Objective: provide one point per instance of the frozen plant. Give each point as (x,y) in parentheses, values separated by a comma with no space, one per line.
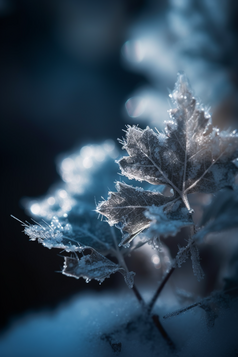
(189,156)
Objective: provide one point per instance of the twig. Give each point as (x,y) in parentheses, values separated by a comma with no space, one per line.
(198,303)
(138,296)
(155,318)
(181,257)
(157,323)
(123,263)
(160,288)
(178,312)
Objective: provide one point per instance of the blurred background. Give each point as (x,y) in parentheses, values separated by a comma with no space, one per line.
(76,72)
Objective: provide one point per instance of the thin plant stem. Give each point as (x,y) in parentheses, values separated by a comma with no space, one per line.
(160,288)
(164,334)
(123,263)
(138,296)
(155,318)
(199,303)
(169,273)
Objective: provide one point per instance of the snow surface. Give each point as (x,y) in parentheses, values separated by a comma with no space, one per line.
(76,328)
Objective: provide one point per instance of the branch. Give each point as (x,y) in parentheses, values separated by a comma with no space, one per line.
(160,288)
(198,303)
(123,263)
(181,257)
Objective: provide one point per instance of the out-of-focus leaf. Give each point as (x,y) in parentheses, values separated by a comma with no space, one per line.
(221,214)
(53,235)
(80,185)
(94,266)
(191,250)
(89,230)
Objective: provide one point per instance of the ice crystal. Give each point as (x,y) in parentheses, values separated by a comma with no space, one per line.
(190,35)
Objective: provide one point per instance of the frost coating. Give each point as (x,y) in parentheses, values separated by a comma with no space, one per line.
(190,156)
(168,221)
(54,235)
(128,205)
(183,254)
(94,266)
(194,156)
(197,270)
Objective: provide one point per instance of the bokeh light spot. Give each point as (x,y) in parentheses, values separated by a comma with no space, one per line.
(35,208)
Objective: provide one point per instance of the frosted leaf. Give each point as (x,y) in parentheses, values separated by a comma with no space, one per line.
(183,254)
(190,156)
(221,214)
(91,231)
(94,266)
(79,229)
(168,221)
(181,257)
(211,305)
(197,270)
(54,235)
(128,205)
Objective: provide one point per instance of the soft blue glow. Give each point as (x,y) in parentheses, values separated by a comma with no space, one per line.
(79,172)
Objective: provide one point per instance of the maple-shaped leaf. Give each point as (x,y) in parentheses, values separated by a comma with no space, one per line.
(189,156)
(128,207)
(94,266)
